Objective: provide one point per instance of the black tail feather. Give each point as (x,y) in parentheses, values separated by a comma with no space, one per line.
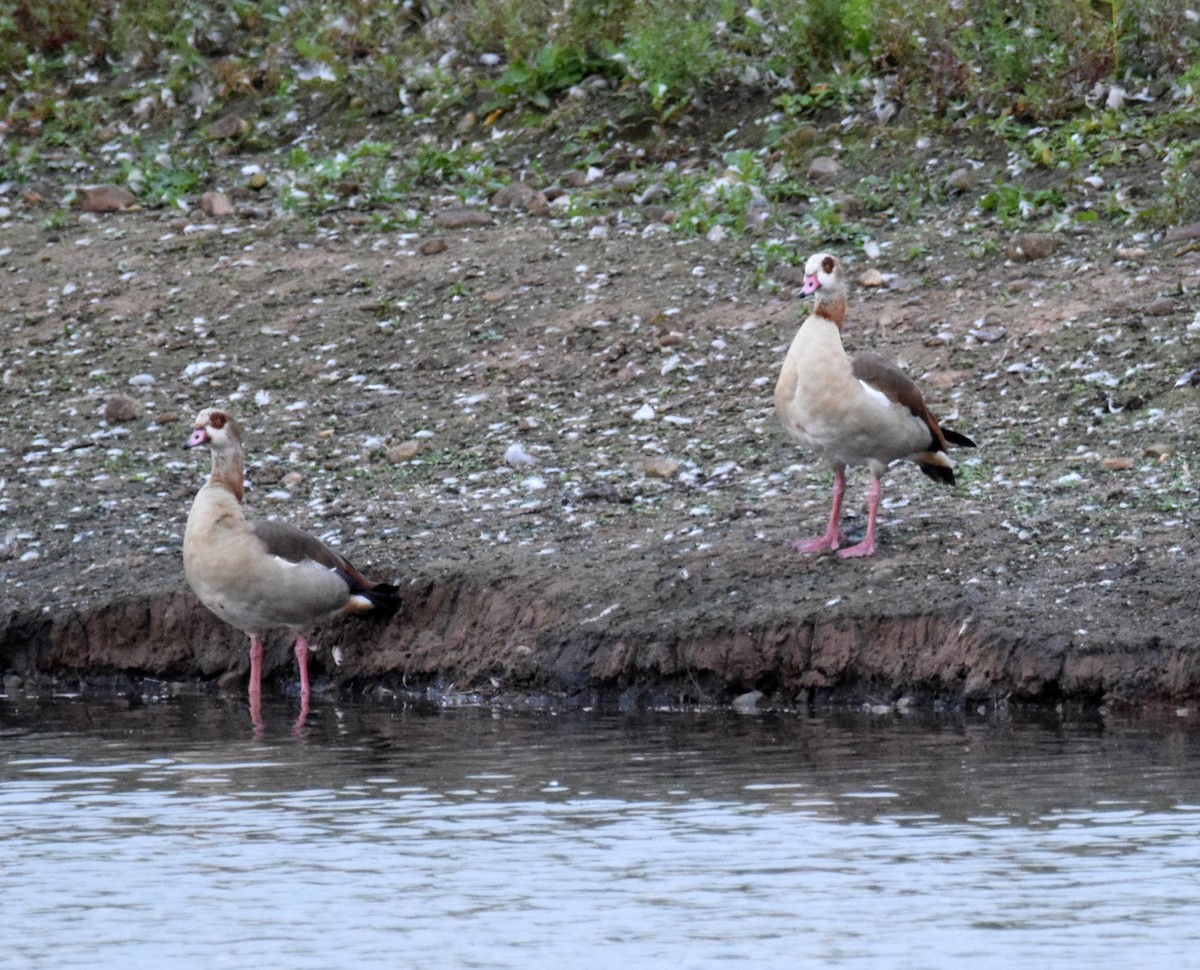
(384,597)
(954,438)
(939,473)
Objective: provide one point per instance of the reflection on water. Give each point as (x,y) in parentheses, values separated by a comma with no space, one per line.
(168,835)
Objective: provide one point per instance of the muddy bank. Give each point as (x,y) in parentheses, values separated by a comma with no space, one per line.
(559,438)
(478,641)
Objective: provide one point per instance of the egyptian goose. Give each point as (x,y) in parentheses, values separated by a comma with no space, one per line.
(260,575)
(864,411)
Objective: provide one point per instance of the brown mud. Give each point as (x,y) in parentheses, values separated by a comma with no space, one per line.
(557,436)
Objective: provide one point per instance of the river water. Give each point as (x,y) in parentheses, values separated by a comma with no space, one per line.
(172,835)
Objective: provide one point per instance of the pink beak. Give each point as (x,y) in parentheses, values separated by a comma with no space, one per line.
(198,437)
(811,285)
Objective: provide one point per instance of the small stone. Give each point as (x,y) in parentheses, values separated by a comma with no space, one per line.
(518,195)
(120,408)
(291,479)
(141,380)
(660,467)
(1162,306)
(799,140)
(645,413)
(463,219)
(1116,464)
(960,180)
(257,181)
(406,451)
(1132,253)
(657,213)
(1158,451)
(988,335)
(104,198)
(433,247)
(1032,245)
(228,126)
(216,205)
(824,169)
(871,277)
(1182,233)
(515,456)
(652,193)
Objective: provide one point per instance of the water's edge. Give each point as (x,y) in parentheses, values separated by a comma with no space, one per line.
(485,639)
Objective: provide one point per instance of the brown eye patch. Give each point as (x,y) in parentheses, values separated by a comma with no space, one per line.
(217,420)
(827,264)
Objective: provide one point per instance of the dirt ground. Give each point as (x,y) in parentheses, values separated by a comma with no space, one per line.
(558,437)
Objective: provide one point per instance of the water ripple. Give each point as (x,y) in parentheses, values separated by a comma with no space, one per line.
(462,839)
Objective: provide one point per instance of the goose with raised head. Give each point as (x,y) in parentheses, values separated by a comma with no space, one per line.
(262,575)
(853,411)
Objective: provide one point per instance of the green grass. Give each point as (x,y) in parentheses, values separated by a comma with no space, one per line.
(360,105)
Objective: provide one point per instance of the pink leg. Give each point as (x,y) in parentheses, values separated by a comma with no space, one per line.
(833,534)
(302,660)
(256,654)
(298,727)
(867,546)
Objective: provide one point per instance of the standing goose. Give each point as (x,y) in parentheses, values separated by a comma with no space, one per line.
(864,411)
(260,575)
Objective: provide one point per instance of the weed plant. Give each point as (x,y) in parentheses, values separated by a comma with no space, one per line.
(133,88)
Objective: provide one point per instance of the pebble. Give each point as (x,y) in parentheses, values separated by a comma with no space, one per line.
(515,456)
(1131,252)
(653,193)
(799,140)
(1162,306)
(645,413)
(141,380)
(960,180)
(463,219)
(104,198)
(871,277)
(824,169)
(988,335)
(1117,464)
(1181,233)
(405,451)
(1160,452)
(660,467)
(216,205)
(228,126)
(121,408)
(433,247)
(523,197)
(1032,245)
(257,181)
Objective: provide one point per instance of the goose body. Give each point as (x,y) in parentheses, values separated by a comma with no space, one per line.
(259,576)
(860,411)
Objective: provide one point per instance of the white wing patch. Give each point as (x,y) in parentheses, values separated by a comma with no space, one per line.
(876,395)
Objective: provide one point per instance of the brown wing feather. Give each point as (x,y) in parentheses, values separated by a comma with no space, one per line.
(897,386)
(295,545)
